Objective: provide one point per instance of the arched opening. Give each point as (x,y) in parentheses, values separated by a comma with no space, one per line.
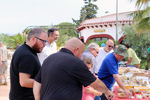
(99,37)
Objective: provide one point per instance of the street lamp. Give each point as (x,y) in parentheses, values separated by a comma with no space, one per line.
(116,21)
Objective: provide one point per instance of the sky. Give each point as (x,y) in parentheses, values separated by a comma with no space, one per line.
(16,15)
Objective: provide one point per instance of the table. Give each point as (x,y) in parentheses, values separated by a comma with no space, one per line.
(117,98)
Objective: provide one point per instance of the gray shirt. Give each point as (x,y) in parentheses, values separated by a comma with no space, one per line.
(88,54)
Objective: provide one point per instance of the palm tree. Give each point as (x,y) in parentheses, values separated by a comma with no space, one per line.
(66,31)
(142,17)
(18,38)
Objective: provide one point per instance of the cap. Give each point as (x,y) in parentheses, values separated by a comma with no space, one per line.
(103,44)
(121,50)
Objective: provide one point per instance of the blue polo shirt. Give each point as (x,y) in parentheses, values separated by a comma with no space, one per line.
(109,67)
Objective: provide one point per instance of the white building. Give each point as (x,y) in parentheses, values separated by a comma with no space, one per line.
(103,28)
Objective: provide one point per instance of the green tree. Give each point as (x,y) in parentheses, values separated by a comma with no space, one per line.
(142,17)
(87,12)
(139,42)
(66,31)
(11,41)
(5,39)
(28,29)
(18,38)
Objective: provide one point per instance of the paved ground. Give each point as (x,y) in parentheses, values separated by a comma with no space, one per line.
(4,90)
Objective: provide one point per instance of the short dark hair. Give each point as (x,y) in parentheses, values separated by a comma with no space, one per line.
(35,32)
(52,30)
(127,45)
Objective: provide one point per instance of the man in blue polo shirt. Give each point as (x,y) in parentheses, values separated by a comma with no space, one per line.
(108,71)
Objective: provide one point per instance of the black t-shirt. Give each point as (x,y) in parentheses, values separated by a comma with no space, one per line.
(24,60)
(62,76)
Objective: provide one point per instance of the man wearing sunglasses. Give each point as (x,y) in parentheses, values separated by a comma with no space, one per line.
(25,65)
(103,51)
(51,46)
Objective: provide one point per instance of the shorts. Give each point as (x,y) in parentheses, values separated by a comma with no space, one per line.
(3,69)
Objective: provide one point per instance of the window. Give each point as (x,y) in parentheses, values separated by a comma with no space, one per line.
(99,39)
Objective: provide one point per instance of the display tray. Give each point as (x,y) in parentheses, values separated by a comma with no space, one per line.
(137,87)
(126,98)
(138,74)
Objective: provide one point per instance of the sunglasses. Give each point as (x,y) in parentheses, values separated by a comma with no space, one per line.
(96,51)
(110,46)
(44,41)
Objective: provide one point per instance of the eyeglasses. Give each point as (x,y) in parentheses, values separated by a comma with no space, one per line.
(44,41)
(110,46)
(96,51)
(57,35)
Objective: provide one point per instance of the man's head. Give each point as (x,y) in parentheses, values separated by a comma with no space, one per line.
(109,45)
(120,52)
(53,34)
(36,39)
(75,46)
(127,45)
(93,48)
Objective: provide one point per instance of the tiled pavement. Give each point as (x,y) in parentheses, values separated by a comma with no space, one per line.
(4,91)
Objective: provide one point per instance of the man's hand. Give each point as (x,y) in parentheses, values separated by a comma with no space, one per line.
(128,93)
(148,75)
(109,95)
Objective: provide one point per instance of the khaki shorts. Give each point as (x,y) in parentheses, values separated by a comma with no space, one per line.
(3,69)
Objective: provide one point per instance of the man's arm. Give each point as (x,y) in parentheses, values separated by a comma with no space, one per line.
(100,86)
(1,63)
(37,90)
(25,80)
(129,60)
(119,82)
(93,91)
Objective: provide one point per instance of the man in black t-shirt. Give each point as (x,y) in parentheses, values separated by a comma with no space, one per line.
(25,65)
(63,74)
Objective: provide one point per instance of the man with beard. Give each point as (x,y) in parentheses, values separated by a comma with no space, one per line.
(51,46)
(25,65)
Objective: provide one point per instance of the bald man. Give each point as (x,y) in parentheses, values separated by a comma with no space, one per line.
(109,45)
(63,74)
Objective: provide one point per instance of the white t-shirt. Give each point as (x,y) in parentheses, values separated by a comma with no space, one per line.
(101,55)
(47,50)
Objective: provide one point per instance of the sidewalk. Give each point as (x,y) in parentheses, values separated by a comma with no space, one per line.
(4,91)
